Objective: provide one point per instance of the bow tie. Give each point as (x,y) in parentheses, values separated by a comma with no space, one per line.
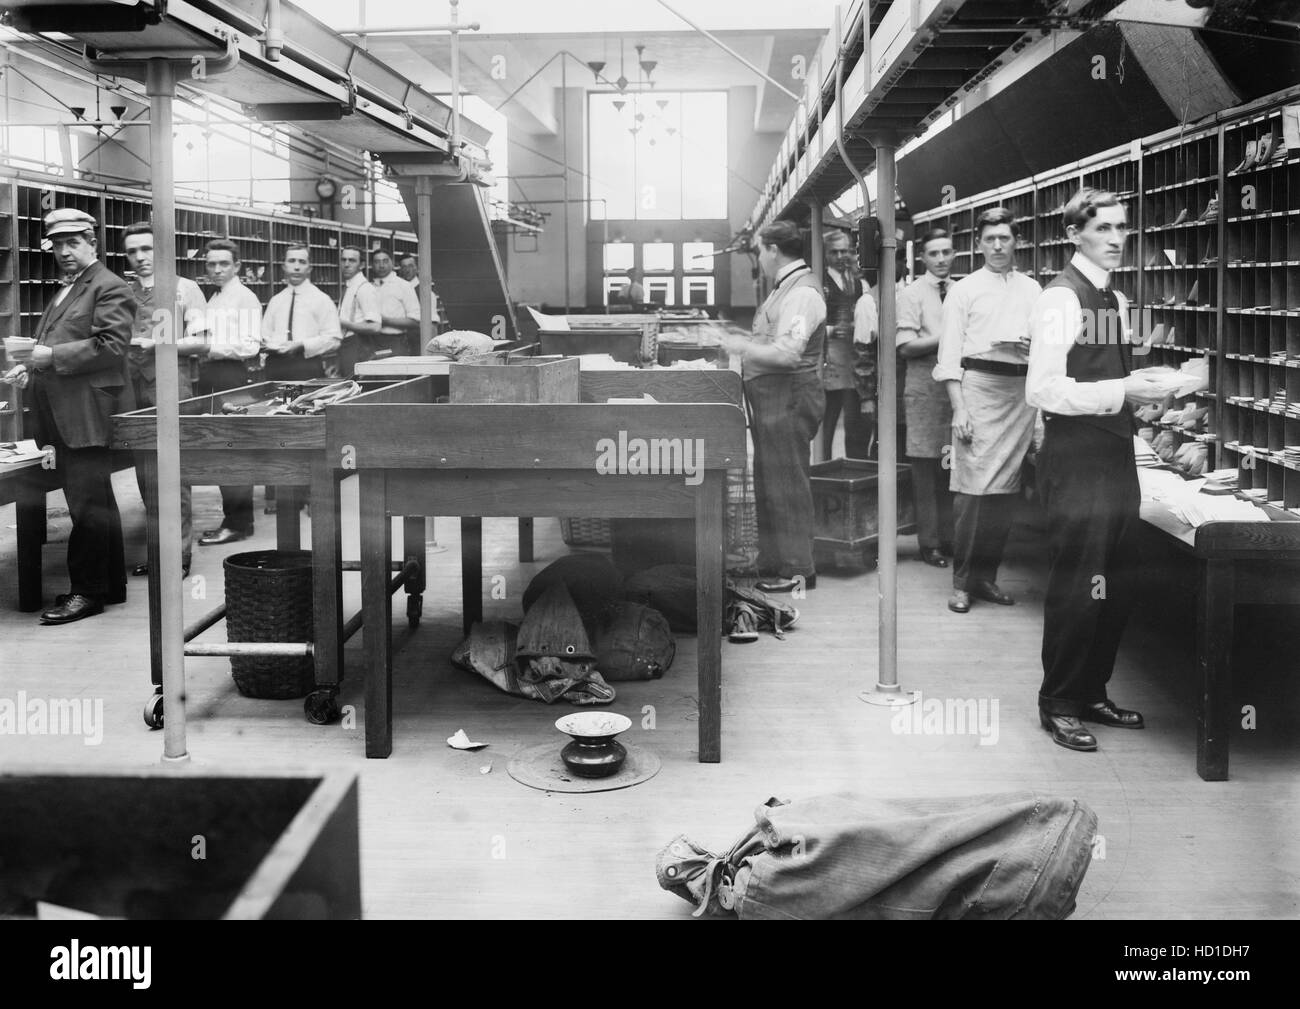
(66,281)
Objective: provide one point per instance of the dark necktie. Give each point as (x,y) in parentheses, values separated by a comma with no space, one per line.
(943,290)
(293,301)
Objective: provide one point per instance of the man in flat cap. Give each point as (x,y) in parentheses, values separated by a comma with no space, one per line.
(76,375)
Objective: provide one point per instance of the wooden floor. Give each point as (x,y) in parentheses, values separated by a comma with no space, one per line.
(440,838)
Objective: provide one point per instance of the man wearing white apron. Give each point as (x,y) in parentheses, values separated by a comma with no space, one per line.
(983,359)
(782,369)
(1079,365)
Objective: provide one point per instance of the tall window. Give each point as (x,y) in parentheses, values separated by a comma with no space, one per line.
(656,156)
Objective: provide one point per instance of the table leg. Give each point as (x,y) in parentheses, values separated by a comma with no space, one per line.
(327,585)
(471,572)
(1214,619)
(29,512)
(377,611)
(146,465)
(525,540)
(708,603)
(288,526)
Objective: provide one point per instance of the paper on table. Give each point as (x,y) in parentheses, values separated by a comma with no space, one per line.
(550,323)
(23,451)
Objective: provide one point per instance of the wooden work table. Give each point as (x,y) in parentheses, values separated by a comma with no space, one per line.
(1236,563)
(511,460)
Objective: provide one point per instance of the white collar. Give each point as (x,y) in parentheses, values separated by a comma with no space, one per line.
(789,271)
(1098,277)
(933,281)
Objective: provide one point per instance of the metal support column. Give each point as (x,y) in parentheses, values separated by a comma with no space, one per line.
(817,263)
(160,85)
(564,156)
(424,239)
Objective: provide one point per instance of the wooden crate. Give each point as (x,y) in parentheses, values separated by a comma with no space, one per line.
(845,512)
(273,845)
(519,380)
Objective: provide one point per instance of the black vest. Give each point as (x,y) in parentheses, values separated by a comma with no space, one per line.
(840,305)
(1100,350)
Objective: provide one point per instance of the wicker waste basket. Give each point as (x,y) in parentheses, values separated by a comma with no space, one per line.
(269,599)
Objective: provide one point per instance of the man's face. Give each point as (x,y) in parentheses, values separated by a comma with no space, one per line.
(997,246)
(74,252)
(222,266)
(139,254)
(937,257)
(767,259)
(349,263)
(381,264)
(839,254)
(297,266)
(408,269)
(1101,239)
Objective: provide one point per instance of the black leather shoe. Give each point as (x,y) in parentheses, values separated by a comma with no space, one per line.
(933,557)
(960,601)
(72,607)
(989,592)
(777,585)
(1105,713)
(143,569)
(215,537)
(1068,732)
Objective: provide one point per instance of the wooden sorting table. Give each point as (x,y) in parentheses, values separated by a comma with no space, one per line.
(483,460)
(288,452)
(1236,563)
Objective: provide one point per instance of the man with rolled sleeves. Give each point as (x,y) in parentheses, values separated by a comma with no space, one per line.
(983,360)
(137,245)
(75,375)
(925,401)
(1079,376)
(300,330)
(359,316)
(233,321)
(782,367)
(398,304)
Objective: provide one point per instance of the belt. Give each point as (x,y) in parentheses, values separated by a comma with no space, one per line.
(994,367)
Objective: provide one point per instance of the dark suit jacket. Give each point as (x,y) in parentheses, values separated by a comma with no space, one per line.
(89,333)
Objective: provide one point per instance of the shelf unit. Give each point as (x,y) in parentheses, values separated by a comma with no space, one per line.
(8,306)
(1213,271)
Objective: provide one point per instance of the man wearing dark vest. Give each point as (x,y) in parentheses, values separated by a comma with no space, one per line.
(843,288)
(782,369)
(1079,363)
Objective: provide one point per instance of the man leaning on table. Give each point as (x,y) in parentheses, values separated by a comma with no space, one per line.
(76,376)
(1079,376)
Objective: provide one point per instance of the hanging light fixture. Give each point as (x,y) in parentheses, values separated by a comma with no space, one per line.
(596,66)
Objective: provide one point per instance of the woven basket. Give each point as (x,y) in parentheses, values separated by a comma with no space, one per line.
(741,522)
(585,532)
(269,599)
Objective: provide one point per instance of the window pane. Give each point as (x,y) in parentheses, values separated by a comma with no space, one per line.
(611,157)
(657,257)
(704,131)
(659,290)
(697,290)
(697,257)
(618,256)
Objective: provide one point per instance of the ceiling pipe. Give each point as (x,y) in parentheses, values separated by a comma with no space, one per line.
(273,42)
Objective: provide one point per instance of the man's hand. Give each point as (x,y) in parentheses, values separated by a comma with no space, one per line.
(734,345)
(1143,389)
(16,376)
(961,424)
(42,357)
(286,349)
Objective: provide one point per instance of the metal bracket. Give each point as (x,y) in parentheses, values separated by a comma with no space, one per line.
(110,66)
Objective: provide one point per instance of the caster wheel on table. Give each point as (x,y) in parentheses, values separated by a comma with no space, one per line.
(153,712)
(414,607)
(322,706)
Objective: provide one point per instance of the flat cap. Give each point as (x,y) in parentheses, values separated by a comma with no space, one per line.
(66,221)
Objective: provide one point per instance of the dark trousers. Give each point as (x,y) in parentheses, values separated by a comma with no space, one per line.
(236,501)
(352,351)
(1089,486)
(294,368)
(934,527)
(146,395)
(784,412)
(981,524)
(96,564)
(857,425)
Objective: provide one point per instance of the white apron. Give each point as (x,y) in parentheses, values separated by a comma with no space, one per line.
(1004,427)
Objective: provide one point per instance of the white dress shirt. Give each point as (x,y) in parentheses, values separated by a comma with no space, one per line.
(397,298)
(1055,324)
(187,293)
(234,323)
(866,319)
(985,315)
(315,320)
(360,302)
